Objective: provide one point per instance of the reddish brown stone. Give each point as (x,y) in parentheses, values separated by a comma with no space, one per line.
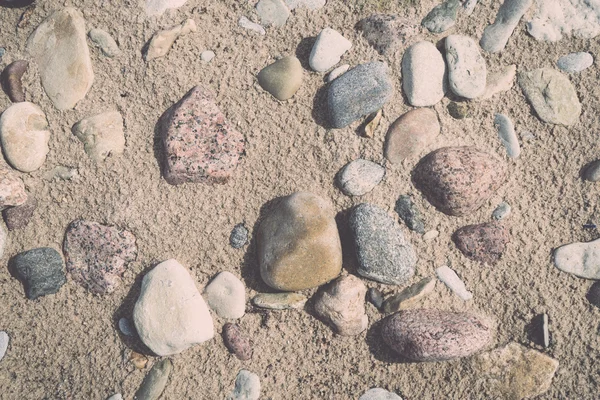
(410,134)
(18,217)
(435,335)
(458,180)
(482,242)
(199,143)
(236,341)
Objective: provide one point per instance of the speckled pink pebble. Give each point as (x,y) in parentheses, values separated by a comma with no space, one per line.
(97,255)
(12,190)
(199,143)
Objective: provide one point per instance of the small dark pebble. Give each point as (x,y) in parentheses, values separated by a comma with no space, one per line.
(155,381)
(458,110)
(239,236)
(19,217)
(41,271)
(10,79)
(236,341)
(589,226)
(593,295)
(16,3)
(410,214)
(375,297)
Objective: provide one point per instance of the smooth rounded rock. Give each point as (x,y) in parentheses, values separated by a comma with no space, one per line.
(467,71)
(328,50)
(379,394)
(495,36)
(41,271)
(435,335)
(239,236)
(237,342)
(280,301)
(10,80)
(207,56)
(507,135)
(482,242)
(170,314)
(272,12)
(125,327)
(592,171)
(107,44)
(102,135)
(283,78)
(575,62)
(24,134)
(579,259)
(359,177)
(226,295)
(423,74)
(298,243)
(342,305)
(337,72)
(502,211)
(155,381)
(247,386)
(410,134)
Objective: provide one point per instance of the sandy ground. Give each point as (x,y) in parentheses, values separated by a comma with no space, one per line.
(67,346)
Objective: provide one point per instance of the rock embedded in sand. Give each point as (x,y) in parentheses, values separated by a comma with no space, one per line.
(592,171)
(507,135)
(247,386)
(12,189)
(337,72)
(41,271)
(4,339)
(552,96)
(239,236)
(387,33)
(453,282)
(459,110)
(328,50)
(97,255)
(237,342)
(375,296)
(102,135)
(442,17)
(359,92)
(409,296)
(516,372)
(60,49)
(423,74)
(24,134)
(280,301)
(435,335)
(467,71)
(226,295)
(502,211)
(158,7)
(3,239)
(579,259)
(379,394)
(593,294)
(575,62)
(359,177)
(199,142)
(19,217)
(482,242)
(162,41)
(410,214)
(496,35)
(245,23)
(116,396)
(384,255)
(469,6)
(459,180)
(207,56)
(155,381)
(499,82)
(410,134)
(107,44)
(125,327)
(272,12)
(342,305)
(298,243)
(282,79)
(10,79)
(310,4)
(170,315)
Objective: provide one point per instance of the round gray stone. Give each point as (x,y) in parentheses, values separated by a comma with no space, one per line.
(360,177)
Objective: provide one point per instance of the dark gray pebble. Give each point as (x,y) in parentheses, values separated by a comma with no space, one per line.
(410,214)
(375,296)
(41,271)
(239,236)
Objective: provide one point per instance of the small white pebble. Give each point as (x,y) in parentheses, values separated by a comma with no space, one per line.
(454,283)
(207,56)
(125,327)
(338,72)
(3,344)
(430,235)
(252,26)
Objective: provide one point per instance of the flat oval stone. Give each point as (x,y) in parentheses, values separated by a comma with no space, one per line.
(482,242)
(359,177)
(435,335)
(342,305)
(226,295)
(410,134)
(507,135)
(467,71)
(580,259)
(247,386)
(298,243)
(328,50)
(155,381)
(592,171)
(237,342)
(272,12)
(24,135)
(280,301)
(459,180)
(282,78)
(575,62)
(106,43)
(423,74)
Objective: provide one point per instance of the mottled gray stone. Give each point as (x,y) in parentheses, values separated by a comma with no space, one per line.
(442,17)
(375,297)
(239,236)
(575,62)
(360,177)
(502,211)
(410,214)
(496,35)
(387,33)
(247,386)
(41,271)
(106,43)
(155,381)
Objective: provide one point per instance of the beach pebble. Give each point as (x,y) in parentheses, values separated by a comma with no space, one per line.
(236,341)
(245,23)
(337,72)
(369,127)
(575,62)
(436,335)
(12,189)
(359,92)
(342,305)
(10,79)
(409,296)
(375,296)
(116,396)
(383,253)
(170,315)
(379,394)
(360,177)
(430,235)
(97,255)
(410,134)
(507,135)
(592,171)
(155,381)
(107,44)
(469,6)
(3,239)
(593,294)
(409,213)
(158,7)
(60,50)
(139,361)
(19,217)
(4,339)
(467,71)
(280,301)
(454,283)
(328,50)
(282,78)
(496,35)
(442,17)
(272,12)
(579,259)
(200,145)
(545,331)
(239,236)
(125,327)
(387,33)
(298,244)
(552,95)
(41,271)
(207,56)
(500,81)
(162,41)
(247,386)
(102,135)
(459,180)
(25,135)
(559,18)
(515,372)
(459,110)
(484,243)
(502,211)
(226,295)
(61,172)
(2,49)
(423,74)
(310,4)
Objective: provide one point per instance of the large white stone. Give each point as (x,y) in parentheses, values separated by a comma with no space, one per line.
(102,135)
(24,135)
(467,71)
(158,7)
(580,259)
(170,314)
(226,295)
(60,49)
(328,50)
(423,70)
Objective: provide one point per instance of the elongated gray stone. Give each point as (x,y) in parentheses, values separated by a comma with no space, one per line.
(575,62)
(155,381)
(507,135)
(442,17)
(496,35)
(454,283)
(579,259)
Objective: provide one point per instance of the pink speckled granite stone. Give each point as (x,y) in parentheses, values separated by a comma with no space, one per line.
(18,217)
(482,242)
(97,255)
(436,335)
(199,143)
(12,189)
(458,180)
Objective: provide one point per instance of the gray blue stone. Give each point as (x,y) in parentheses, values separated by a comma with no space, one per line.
(575,62)
(442,17)
(410,214)
(239,236)
(41,271)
